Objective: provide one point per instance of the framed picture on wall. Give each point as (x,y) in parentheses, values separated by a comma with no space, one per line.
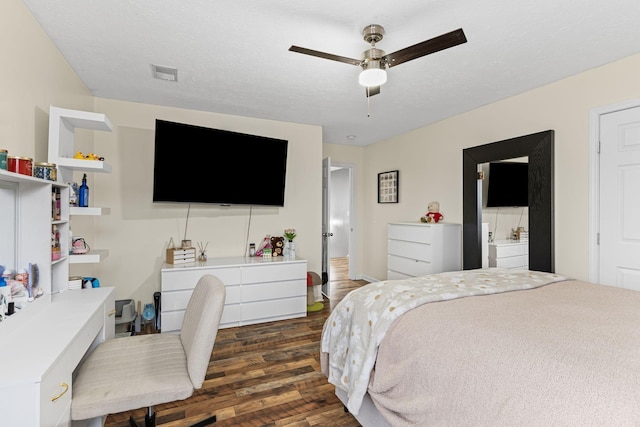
(388,187)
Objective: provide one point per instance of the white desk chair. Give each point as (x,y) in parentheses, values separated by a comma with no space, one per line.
(127,373)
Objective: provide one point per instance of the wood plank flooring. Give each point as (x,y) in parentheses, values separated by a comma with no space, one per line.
(264,375)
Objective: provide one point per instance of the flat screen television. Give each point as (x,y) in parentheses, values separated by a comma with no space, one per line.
(508,184)
(195,164)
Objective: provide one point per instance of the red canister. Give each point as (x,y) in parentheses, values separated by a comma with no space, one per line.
(21,165)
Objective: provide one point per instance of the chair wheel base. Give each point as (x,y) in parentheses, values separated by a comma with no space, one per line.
(150,421)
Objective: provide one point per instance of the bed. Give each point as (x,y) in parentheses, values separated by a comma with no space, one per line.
(486,347)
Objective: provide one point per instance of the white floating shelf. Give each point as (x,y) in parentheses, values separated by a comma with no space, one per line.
(94,256)
(91,210)
(84,165)
(58,261)
(81,119)
(18,177)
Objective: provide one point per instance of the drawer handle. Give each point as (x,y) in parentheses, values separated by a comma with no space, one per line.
(112,312)
(58,396)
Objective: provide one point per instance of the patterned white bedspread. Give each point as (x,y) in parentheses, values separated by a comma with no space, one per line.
(355,328)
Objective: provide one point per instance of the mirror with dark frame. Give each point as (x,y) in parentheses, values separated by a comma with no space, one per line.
(538,147)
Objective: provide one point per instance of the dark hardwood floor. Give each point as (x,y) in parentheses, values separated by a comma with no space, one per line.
(265,375)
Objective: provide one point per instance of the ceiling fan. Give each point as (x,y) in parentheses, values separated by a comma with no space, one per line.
(374,61)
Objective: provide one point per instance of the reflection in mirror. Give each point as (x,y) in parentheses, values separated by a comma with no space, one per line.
(538,148)
(505,215)
(8,223)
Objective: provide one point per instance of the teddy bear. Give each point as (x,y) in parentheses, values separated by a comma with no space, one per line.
(277,245)
(433,214)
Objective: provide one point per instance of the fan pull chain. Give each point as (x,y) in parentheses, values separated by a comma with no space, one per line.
(368,103)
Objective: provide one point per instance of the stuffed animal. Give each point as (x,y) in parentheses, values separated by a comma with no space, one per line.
(277,246)
(434,214)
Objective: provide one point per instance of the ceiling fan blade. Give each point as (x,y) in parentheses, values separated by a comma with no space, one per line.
(372,90)
(324,55)
(426,47)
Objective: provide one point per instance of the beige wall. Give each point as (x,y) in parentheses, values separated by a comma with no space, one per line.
(430,160)
(33,76)
(137,231)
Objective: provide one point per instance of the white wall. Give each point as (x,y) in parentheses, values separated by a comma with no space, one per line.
(430,160)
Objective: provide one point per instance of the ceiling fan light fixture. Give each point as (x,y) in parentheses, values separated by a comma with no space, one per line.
(373,73)
(372,77)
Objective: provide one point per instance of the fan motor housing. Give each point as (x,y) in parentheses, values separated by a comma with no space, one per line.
(373,58)
(373,33)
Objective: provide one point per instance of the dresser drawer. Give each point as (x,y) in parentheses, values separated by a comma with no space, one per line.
(275,290)
(178,279)
(274,273)
(412,250)
(410,233)
(172,320)
(520,261)
(408,266)
(508,250)
(55,391)
(395,275)
(178,300)
(287,308)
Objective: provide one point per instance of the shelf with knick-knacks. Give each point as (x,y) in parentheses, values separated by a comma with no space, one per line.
(26,228)
(62,151)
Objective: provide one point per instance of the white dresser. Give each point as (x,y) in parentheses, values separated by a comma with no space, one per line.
(258,290)
(509,254)
(416,248)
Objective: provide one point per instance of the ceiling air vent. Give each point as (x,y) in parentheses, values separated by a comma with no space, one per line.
(165,73)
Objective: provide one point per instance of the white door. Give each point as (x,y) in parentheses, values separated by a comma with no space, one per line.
(326,224)
(619,191)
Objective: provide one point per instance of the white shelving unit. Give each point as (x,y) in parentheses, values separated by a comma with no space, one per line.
(32,226)
(51,334)
(62,125)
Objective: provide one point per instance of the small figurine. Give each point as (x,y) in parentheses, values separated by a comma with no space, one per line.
(89,156)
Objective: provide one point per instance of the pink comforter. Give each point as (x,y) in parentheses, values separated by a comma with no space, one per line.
(566,354)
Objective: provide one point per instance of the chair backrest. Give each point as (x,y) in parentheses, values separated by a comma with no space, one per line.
(200,325)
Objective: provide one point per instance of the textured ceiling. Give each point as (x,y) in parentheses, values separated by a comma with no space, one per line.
(232,56)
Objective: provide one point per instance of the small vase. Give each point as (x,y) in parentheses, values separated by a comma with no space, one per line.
(292,250)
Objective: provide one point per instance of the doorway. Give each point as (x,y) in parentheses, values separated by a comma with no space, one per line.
(338,227)
(614,247)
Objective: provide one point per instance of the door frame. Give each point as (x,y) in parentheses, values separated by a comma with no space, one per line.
(352,213)
(594,181)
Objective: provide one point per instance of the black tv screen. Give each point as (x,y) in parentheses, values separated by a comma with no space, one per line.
(194,164)
(508,184)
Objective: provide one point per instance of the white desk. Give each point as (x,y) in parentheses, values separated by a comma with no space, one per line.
(41,347)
